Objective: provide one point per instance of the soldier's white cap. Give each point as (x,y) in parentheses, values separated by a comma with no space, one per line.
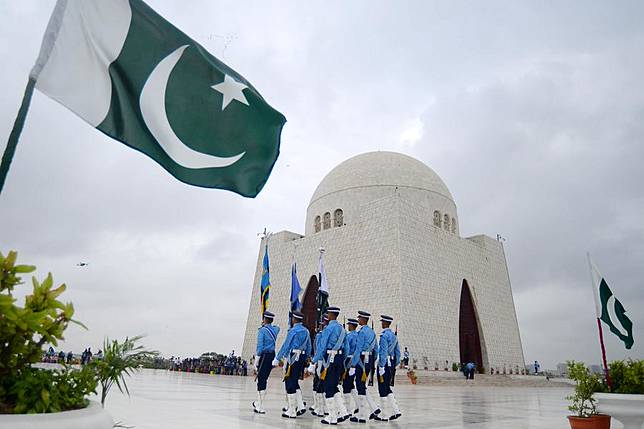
(364,314)
(351,321)
(335,310)
(269,315)
(384,318)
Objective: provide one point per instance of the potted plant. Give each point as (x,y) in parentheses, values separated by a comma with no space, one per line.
(36,398)
(625,402)
(412,376)
(582,400)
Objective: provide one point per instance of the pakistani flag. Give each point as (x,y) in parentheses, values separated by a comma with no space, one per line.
(610,310)
(134,76)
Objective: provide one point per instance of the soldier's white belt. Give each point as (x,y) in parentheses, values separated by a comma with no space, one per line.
(332,354)
(297,354)
(366,356)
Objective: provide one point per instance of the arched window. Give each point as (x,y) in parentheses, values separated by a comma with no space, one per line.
(437,218)
(327,220)
(453,225)
(338,219)
(446,222)
(318,224)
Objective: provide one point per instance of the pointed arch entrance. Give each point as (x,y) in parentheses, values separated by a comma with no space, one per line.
(468,328)
(309,305)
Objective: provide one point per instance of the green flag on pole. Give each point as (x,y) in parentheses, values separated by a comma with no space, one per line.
(614,315)
(134,76)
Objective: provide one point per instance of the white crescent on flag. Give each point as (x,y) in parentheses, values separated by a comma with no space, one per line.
(152,103)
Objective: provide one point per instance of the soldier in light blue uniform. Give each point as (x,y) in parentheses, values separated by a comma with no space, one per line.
(265,353)
(296,349)
(318,385)
(364,358)
(388,359)
(331,352)
(348,379)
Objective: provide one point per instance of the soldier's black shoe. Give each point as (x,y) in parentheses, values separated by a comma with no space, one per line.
(374,414)
(395,416)
(356,411)
(380,419)
(300,412)
(287,416)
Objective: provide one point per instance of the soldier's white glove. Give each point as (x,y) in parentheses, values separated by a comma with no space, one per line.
(381,370)
(311,368)
(256,363)
(275,363)
(352,372)
(319,369)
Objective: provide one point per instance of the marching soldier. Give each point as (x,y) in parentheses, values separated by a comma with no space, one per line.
(265,353)
(388,359)
(332,349)
(296,348)
(364,358)
(318,385)
(348,380)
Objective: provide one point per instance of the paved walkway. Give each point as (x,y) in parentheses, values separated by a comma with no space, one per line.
(162,399)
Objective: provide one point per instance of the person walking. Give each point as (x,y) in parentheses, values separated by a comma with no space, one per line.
(296,348)
(348,378)
(388,359)
(318,384)
(333,346)
(364,358)
(265,353)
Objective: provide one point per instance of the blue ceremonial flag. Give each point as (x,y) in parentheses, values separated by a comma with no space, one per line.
(265,285)
(296,305)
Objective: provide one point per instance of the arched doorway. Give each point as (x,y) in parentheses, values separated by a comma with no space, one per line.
(468,328)
(309,305)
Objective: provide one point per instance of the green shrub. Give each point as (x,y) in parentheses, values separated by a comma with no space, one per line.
(627,376)
(582,401)
(50,391)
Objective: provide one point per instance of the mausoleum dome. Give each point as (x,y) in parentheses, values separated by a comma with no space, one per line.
(371,176)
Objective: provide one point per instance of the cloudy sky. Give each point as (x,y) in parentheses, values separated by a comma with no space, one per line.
(532,113)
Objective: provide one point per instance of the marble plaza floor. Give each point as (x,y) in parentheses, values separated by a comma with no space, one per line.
(162,399)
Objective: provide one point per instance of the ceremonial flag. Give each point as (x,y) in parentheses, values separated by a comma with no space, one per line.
(296,305)
(323,292)
(610,310)
(265,284)
(131,74)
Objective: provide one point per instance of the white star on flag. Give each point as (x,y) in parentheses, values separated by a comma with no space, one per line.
(231,90)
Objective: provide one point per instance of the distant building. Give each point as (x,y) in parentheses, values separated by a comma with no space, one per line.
(390,229)
(596,369)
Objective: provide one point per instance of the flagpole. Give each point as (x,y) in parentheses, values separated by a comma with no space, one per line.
(18,124)
(599,324)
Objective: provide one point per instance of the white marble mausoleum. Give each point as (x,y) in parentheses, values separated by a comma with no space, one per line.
(390,230)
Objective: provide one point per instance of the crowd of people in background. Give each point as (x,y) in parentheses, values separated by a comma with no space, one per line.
(51,356)
(211,363)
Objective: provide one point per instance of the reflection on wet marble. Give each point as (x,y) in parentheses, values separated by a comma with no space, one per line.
(161,399)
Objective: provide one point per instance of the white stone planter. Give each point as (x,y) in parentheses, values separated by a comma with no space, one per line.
(92,417)
(628,409)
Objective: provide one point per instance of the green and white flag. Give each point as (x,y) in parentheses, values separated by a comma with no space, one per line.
(134,76)
(610,310)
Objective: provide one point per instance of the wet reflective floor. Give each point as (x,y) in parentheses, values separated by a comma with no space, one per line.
(162,399)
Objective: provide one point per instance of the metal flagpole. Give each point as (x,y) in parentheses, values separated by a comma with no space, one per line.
(18,124)
(599,324)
